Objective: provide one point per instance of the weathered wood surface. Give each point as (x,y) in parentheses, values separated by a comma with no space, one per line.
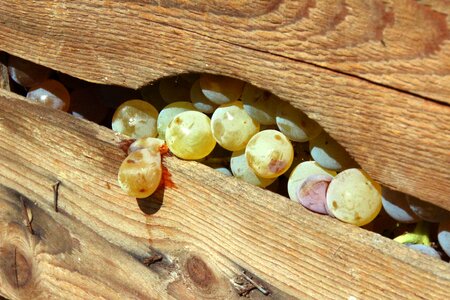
(4,78)
(402,140)
(208,228)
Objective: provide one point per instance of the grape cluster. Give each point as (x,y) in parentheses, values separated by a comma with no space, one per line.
(242,131)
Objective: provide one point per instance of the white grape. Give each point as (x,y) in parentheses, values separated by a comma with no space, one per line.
(259,104)
(221,89)
(241,170)
(329,154)
(200,102)
(169,112)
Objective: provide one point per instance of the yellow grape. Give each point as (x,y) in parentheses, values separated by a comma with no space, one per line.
(221,89)
(241,170)
(169,112)
(151,143)
(50,93)
(136,119)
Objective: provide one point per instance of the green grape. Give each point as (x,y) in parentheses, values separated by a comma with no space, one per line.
(300,173)
(241,170)
(221,89)
(136,119)
(140,173)
(295,124)
(174,89)
(353,197)
(151,143)
(329,154)
(50,93)
(169,112)
(26,73)
(200,102)
(232,127)
(189,135)
(259,104)
(269,153)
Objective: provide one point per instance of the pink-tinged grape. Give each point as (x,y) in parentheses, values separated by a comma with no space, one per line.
(241,170)
(27,73)
(428,250)
(259,104)
(397,207)
(444,236)
(269,153)
(174,89)
(232,127)
(329,154)
(136,119)
(189,135)
(295,124)
(312,193)
(85,103)
(301,172)
(169,112)
(140,173)
(200,102)
(427,211)
(151,143)
(353,197)
(50,93)
(221,89)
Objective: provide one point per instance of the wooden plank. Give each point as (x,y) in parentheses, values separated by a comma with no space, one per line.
(403,141)
(404,44)
(208,228)
(4,77)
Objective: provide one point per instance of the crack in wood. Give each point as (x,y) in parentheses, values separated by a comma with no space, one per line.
(55,188)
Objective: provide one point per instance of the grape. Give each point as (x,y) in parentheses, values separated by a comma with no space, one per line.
(224,171)
(174,89)
(26,73)
(444,236)
(301,154)
(150,93)
(85,103)
(353,197)
(312,193)
(269,153)
(189,135)
(169,112)
(301,172)
(329,154)
(396,205)
(50,93)
(259,104)
(428,250)
(295,124)
(140,173)
(136,119)
(221,89)
(200,102)
(232,127)
(427,211)
(146,143)
(240,169)
(190,77)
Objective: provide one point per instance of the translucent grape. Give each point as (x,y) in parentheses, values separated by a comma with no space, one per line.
(151,143)
(353,197)
(26,73)
(85,103)
(397,207)
(295,124)
(428,250)
(312,193)
(189,135)
(221,89)
(259,104)
(269,153)
(301,172)
(200,102)
(174,89)
(444,236)
(136,119)
(232,127)
(240,169)
(427,211)
(140,173)
(329,154)
(169,112)
(224,171)
(50,93)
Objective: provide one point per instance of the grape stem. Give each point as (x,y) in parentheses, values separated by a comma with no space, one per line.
(420,235)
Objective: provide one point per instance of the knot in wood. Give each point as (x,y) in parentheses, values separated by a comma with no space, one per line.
(199,272)
(15,266)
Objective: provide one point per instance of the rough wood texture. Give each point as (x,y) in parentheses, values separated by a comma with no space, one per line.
(208,229)
(4,78)
(402,140)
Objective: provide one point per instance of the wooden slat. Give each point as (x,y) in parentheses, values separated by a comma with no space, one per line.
(4,78)
(403,141)
(208,228)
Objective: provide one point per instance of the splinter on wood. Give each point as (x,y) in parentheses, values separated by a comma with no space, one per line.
(55,188)
(260,287)
(27,215)
(152,259)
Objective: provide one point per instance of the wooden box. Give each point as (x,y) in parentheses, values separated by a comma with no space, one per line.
(375,74)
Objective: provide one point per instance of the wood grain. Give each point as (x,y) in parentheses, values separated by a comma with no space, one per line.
(208,228)
(404,44)
(403,141)
(4,77)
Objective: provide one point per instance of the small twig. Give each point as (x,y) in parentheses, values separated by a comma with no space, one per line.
(27,217)
(152,259)
(260,287)
(55,188)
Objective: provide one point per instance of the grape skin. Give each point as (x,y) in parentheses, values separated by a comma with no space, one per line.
(136,119)
(200,102)
(329,154)
(259,104)
(425,250)
(444,236)
(174,89)
(241,170)
(312,193)
(151,143)
(221,89)
(26,73)
(168,113)
(397,207)
(427,211)
(50,93)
